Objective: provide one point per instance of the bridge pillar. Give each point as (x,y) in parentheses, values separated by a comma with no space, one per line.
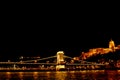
(60,60)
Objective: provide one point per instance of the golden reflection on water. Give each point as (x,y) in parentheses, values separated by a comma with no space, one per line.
(48,74)
(35,75)
(62,75)
(112,75)
(20,75)
(8,75)
(71,74)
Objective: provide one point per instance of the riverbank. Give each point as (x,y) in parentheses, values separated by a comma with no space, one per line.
(54,69)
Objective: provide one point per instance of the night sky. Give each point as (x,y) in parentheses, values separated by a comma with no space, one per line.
(70,40)
(43,33)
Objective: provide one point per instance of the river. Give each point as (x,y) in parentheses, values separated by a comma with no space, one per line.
(63,75)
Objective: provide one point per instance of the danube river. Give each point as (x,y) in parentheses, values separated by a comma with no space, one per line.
(62,75)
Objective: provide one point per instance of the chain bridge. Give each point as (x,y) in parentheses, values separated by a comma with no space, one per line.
(61,62)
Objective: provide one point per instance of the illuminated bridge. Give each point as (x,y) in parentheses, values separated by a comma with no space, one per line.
(62,62)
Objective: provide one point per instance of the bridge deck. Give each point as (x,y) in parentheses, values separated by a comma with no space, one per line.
(47,63)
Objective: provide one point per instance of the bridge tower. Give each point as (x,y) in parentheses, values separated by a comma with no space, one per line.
(60,60)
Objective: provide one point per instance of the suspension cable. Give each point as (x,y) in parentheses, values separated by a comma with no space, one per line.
(40,59)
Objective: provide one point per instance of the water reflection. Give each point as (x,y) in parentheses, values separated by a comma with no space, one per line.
(35,75)
(20,75)
(8,75)
(62,75)
(48,74)
(112,75)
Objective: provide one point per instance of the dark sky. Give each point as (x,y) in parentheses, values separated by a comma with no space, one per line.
(46,43)
(30,32)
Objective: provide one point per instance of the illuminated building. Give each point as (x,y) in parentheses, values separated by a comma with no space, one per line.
(96,51)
